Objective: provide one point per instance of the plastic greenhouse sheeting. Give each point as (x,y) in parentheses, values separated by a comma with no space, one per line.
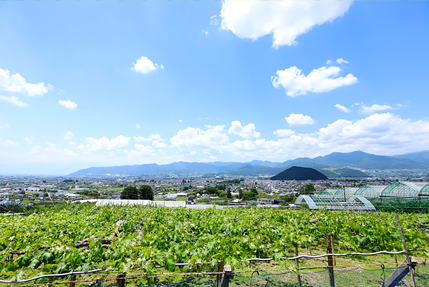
(370,191)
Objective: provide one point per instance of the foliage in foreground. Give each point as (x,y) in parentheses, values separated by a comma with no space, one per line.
(144,237)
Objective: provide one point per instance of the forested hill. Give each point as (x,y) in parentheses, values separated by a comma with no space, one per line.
(332,165)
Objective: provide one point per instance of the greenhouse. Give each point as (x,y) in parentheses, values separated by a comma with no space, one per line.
(354,203)
(424,191)
(402,189)
(345,191)
(370,191)
(328,192)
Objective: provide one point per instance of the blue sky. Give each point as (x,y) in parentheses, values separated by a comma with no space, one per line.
(110,83)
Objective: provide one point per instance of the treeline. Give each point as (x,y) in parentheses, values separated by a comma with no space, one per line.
(142,192)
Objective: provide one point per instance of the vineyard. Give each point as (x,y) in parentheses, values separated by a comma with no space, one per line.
(83,237)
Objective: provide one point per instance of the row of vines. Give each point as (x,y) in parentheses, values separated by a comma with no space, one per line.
(82,237)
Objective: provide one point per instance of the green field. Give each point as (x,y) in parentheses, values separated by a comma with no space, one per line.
(151,236)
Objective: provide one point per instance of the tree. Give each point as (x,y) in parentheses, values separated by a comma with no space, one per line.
(130,192)
(254,192)
(212,190)
(240,193)
(307,189)
(145,192)
(228,193)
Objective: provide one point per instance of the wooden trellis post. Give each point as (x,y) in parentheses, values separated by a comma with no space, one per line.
(330,261)
(120,281)
(227,271)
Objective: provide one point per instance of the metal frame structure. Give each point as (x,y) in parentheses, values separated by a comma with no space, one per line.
(370,191)
(353,203)
(401,189)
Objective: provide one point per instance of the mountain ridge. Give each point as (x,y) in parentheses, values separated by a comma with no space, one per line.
(352,161)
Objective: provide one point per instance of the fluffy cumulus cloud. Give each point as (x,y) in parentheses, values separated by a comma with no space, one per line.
(17,83)
(159,144)
(284,133)
(342,108)
(68,135)
(381,133)
(248,131)
(285,20)
(154,137)
(319,80)
(213,138)
(146,66)
(105,144)
(299,120)
(342,61)
(374,108)
(68,104)
(14,100)
(8,143)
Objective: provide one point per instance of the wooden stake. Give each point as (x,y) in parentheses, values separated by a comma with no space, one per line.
(333,250)
(227,271)
(297,267)
(406,251)
(330,262)
(219,276)
(73,278)
(120,282)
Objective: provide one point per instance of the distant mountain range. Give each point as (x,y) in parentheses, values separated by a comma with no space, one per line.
(332,165)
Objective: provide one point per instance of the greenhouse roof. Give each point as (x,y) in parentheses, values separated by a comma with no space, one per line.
(402,189)
(327,192)
(335,202)
(424,191)
(348,191)
(370,191)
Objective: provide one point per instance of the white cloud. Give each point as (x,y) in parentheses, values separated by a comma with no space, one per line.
(286,20)
(212,139)
(193,152)
(319,80)
(36,149)
(146,66)
(328,62)
(10,143)
(142,139)
(14,100)
(341,61)
(68,136)
(156,137)
(4,126)
(374,108)
(159,144)
(29,140)
(137,126)
(299,119)
(205,32)
(68,104)
(72,143)
(104,143)
(246,132)
(16,83)
(180,121)
(214,20)
(284,133)
(342,108)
